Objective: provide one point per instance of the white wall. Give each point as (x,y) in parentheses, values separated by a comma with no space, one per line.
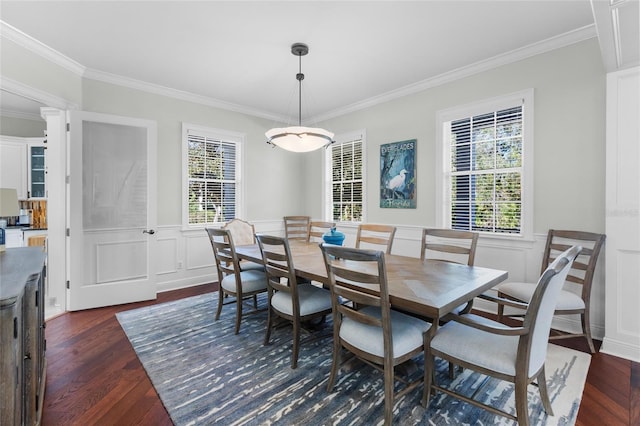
(569,87)
(569,116)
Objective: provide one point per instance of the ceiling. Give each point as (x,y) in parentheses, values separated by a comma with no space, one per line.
(236,54)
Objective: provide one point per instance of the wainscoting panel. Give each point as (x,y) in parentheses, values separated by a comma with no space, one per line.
(167,255)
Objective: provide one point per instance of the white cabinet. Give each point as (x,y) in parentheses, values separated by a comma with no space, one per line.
(36,170)
(13,237)
(13,165)
(23,166)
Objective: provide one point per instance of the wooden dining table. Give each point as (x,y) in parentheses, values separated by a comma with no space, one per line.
(429,288)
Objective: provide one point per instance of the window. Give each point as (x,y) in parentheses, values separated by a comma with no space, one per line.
(211,175)
(345,178)
(486,165)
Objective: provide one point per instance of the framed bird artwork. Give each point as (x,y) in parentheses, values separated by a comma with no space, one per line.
(398,175)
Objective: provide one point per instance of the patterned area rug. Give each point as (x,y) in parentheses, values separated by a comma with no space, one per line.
(205,374)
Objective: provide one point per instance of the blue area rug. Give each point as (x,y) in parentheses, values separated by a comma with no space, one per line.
(205,374)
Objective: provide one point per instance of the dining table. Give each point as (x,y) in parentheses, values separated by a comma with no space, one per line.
(429,288)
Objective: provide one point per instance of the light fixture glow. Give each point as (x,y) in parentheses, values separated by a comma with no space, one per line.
(299,138)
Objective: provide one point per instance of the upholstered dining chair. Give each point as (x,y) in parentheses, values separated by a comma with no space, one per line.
(318,228)
(513,354)
(450,245)
(575,297)
(376,235)
(297,227)
(374,333)
(243,233)
(290,299)
(232,279)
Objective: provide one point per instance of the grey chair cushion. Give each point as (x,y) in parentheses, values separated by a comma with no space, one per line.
(252,280)
(246,265)
(407,333)
(312,299)
(524,291)
(492,351)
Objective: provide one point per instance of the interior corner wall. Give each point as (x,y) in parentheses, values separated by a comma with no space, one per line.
(569,137)
(32,70)
(19,127)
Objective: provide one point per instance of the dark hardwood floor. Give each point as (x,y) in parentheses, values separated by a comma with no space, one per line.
(94,376)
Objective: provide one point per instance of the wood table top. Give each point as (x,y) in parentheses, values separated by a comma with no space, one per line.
(431,288)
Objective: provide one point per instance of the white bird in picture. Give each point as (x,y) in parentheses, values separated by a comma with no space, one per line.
(397,181)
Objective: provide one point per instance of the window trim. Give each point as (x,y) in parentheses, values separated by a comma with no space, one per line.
(327,190)
(443,179)
(220,134)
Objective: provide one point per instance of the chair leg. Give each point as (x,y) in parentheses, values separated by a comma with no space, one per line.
(500,308)
(255,302)
(220,299)
(544,393)
(267,336)
(296,343)
(586,329)
(238,312)
(335,364)
(429,367)
(388,392)
(522,406)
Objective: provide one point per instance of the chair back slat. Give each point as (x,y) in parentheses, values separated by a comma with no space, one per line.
(458,246)
(227,262)
(583,267)
(276,256)
(375,234)
(360,287)
(296,227)
(317,229)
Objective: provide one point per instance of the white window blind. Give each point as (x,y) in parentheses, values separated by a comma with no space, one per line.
(346,182)
(212,179)
(486,171)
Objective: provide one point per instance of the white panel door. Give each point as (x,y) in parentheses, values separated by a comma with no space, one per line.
(111,210)
(622,316)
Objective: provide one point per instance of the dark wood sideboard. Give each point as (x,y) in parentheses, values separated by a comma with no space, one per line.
(22,342)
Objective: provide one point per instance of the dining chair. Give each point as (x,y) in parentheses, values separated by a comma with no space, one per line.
(232,279)
(290,299)
(575,297)
(513,354)
(373,332)
(296,227)
(373,234)
(318,228)
(243,233)
(450,245)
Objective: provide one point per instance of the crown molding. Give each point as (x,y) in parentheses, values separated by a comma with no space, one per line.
(544,46)
(119,80)
(34,94)
(31,44)
(563,40)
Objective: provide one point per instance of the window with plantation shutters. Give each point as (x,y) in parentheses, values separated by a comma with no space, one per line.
(486,185)
(345,178)
(212,176)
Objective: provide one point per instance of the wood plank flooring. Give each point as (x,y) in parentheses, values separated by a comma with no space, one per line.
(95,378)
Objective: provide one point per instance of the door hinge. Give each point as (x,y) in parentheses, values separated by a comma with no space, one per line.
(67,232)
(68,284)
(68,126)
(66,179)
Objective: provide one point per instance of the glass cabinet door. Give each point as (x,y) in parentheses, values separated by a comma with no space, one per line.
(37,172)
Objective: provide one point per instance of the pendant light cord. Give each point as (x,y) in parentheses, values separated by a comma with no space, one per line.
(300,77)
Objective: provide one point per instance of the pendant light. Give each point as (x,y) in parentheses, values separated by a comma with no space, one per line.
(299,138)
